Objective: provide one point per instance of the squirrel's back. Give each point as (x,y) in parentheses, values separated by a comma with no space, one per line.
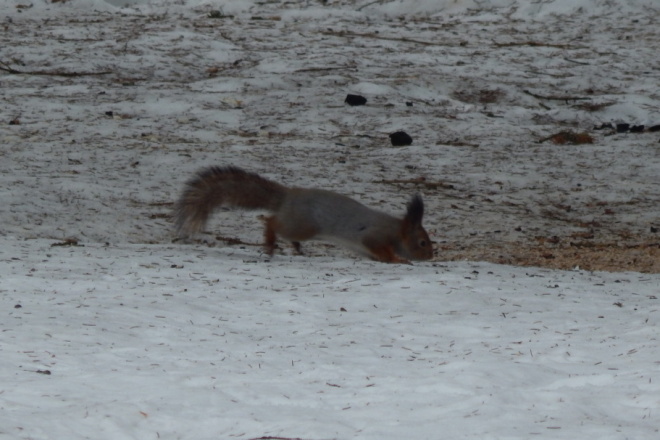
(338,218)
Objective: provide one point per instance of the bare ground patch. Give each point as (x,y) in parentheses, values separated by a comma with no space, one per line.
(643,257)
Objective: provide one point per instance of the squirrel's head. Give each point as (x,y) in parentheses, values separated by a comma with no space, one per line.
(416,242)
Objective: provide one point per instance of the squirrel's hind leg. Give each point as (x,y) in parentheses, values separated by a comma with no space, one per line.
(296,248)
(270,237)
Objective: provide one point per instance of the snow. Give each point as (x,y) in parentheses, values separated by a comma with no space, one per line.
(151,341)
(109,330)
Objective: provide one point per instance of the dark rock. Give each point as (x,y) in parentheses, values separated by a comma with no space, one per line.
(400,139)
(355,100)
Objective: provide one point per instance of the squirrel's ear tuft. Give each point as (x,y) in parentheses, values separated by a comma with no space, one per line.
(415,210)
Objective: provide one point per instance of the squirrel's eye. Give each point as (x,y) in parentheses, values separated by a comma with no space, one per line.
(422,243)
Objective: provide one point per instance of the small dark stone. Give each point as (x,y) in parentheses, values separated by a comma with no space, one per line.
(622,128)
(604,126)
(637,129)
(400,139)
(409,104)
(654,128)
(355,100)
(110,114)
(18,306)
(215,14)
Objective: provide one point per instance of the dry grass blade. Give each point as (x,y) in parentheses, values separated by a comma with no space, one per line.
(6,68)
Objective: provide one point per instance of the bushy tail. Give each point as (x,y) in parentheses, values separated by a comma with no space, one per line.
(213,187)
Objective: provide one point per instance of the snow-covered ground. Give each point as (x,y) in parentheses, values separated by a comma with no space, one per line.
(111,331)
(140,342)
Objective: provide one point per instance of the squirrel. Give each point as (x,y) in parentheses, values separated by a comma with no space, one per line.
(300,214)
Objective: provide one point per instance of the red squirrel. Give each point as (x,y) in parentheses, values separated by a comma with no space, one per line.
(300,214)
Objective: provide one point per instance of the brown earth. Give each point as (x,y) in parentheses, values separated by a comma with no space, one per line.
(643,257)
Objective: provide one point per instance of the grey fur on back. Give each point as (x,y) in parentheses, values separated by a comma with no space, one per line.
(340,218)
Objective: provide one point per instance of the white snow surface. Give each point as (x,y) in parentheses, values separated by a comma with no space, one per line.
(159,342)
(127,335)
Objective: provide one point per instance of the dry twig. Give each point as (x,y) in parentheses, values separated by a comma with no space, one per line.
(418,181)
(6,68)
(533,44)
(380,37)
(556,98)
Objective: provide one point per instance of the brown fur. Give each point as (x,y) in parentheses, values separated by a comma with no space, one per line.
(214,187)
